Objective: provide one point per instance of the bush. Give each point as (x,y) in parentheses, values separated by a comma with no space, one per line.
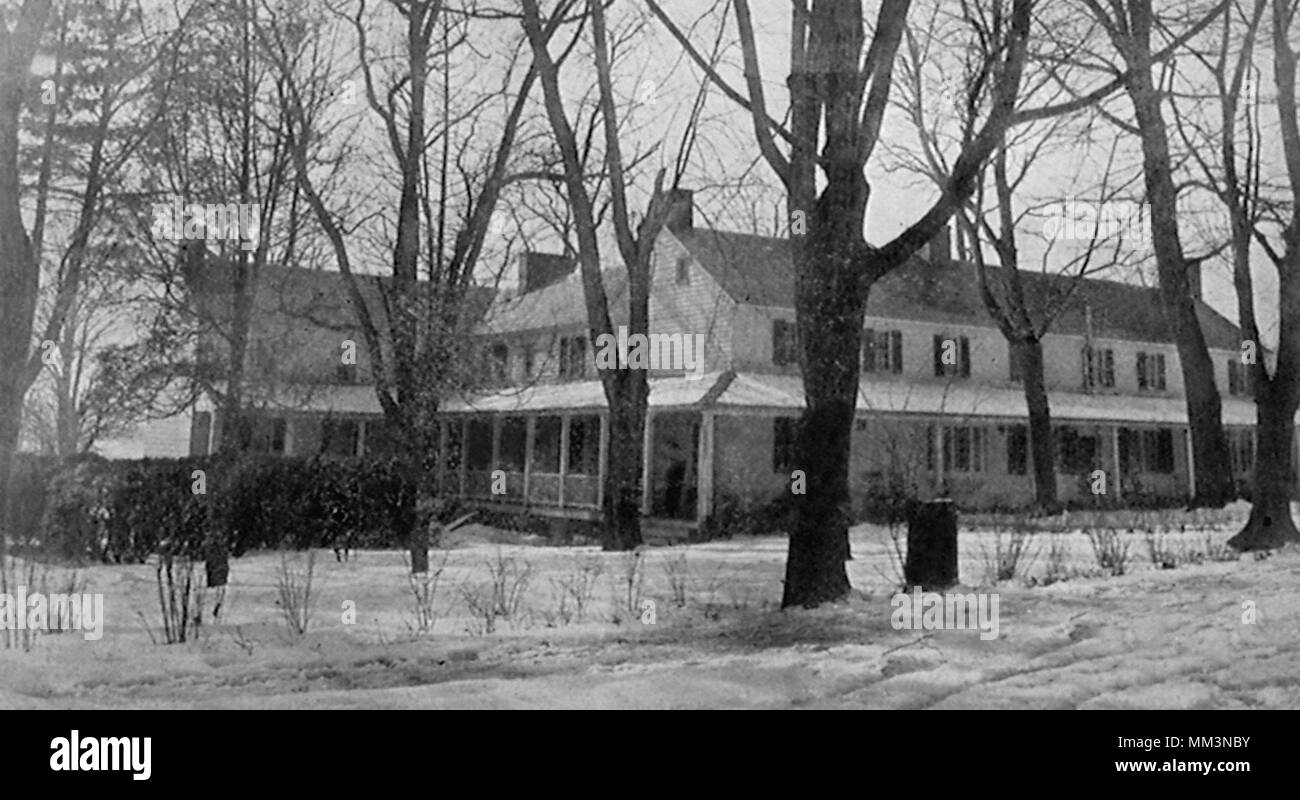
(125,511)
(734,516)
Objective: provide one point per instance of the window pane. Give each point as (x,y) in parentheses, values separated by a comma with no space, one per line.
(478,448)
(584,445)
(514,444)
(546,444)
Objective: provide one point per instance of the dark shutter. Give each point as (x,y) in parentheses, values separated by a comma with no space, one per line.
(869,350)
(896,350)
(1142,370)
(938,355)
(965,357)
(1160,372)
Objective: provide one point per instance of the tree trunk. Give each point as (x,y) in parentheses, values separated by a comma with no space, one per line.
(1204,409)
(1270,524)
(623,475)
(830,307)
(1042,450)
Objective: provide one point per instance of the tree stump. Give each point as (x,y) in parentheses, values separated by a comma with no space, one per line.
(931,545)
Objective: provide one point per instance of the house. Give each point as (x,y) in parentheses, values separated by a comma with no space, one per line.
(940,407)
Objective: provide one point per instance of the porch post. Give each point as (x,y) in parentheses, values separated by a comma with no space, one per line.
(441,471)
(529,427)
(704,468)
(1191,463)
(462,468)
(1119,465)
(604,460)
(647,459)
(937,443)
(564,454)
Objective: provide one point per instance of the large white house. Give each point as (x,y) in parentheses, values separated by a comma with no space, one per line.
(724,431)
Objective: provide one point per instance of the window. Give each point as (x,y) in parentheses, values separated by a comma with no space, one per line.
(1151,372)
(1077,452)
(1158,451)
(882,351)
(785,348)
(1098,368)
(573,357)
(683,271)
(951,356)
(499,362)
(478,445)
(339,437)
(546,445)
(584,445)
(784,433)
(964,449)
(451,456)
(1017,450)
(529,362)
(514,444)
(1241,381)
(1147,450)
(345,374)
(1241,443)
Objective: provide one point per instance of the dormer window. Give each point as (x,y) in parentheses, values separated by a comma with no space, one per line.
(1098,368)
(951,356)
(1151,372)
(573,357)
(882,351)
(499,361)
(785,347)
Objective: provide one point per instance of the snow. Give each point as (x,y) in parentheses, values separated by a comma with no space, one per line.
(1149,638)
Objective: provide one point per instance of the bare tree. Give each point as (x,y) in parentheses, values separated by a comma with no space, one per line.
(626,390)
(1130,26)
(1228,154)
(95,116)
(839,83)
(416,337)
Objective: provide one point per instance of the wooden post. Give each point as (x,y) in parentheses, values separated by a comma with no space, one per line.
(1191,464)
(647,460)
(564,453)
(704,468)
(1119,465)
(443,437)
(530,427)
(937,444)
(604,460)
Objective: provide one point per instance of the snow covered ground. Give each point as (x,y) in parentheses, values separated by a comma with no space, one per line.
(1149,638)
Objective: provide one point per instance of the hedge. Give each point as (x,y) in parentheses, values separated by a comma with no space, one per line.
(123,511)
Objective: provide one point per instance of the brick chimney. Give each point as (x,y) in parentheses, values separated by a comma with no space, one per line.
(538,270)
(940,248)
(681,210)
